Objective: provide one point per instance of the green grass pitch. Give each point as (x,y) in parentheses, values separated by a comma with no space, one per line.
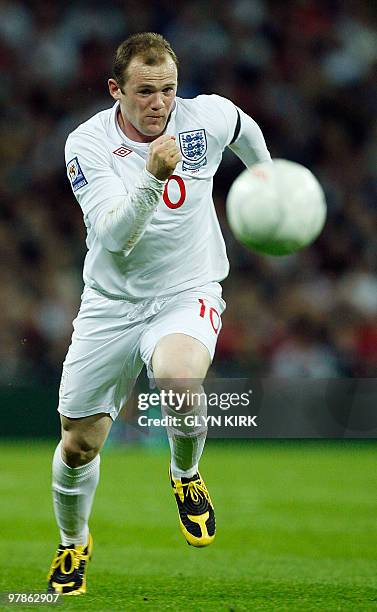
(297,529)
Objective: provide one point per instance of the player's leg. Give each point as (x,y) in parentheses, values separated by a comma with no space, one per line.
(101,364)
(180,364)
(75,476)
(178,348)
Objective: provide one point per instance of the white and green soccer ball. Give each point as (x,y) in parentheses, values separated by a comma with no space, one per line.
(276,208)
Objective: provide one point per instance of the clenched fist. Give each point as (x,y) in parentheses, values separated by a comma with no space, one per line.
(163,157)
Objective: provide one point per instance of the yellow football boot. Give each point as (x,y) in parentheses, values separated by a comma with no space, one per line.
(195,509)
(67,575)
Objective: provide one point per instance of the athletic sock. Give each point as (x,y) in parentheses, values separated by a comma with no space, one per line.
(73,492)
(187,440)
(185,454)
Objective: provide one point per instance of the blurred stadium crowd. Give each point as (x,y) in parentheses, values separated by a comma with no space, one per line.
(305,70)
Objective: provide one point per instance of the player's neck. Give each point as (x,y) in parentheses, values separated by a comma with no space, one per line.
(131,132)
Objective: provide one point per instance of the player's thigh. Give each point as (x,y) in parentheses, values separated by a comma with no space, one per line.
(103,360)
(181,357)
(180,341)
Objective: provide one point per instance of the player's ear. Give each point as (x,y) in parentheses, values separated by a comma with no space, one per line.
(114,89)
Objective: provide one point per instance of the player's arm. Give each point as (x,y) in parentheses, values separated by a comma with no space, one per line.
(239,132)
(119,217)
(121,223)
(248,142)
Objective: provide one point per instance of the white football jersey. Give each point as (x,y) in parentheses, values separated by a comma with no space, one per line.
(182,246)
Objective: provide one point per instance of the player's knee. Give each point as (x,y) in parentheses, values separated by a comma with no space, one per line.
(77,452)
(178,379)
(179,371)
(182,389)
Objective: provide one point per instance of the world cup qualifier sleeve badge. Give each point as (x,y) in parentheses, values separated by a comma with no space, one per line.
(194,149)
(75,174)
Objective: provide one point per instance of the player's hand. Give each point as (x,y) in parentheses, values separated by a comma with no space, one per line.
(163,157)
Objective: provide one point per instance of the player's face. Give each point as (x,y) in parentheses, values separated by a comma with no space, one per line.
(147,97)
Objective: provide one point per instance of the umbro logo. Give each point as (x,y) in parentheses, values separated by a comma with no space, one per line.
(122,151)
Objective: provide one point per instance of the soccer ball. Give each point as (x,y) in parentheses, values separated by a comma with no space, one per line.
(276,208)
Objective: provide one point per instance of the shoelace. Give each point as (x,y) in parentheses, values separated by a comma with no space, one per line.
(196,489)
(60,560)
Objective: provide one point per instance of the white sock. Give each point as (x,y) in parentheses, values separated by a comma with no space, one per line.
(73,492)
(185,454)
(186,441)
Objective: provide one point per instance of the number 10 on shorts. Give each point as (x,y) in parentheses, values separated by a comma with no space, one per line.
(211,312)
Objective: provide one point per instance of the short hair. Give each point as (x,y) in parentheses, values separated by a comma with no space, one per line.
(151,47)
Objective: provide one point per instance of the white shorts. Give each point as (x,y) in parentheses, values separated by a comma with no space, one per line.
(113,339)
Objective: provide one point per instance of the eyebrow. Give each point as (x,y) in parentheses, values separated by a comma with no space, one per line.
(150,86)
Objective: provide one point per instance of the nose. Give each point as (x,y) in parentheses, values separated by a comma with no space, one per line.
(157,101)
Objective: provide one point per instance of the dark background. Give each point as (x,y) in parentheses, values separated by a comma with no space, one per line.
(305,71)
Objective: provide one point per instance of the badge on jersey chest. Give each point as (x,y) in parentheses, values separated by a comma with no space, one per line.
(75,174)
(194,149)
